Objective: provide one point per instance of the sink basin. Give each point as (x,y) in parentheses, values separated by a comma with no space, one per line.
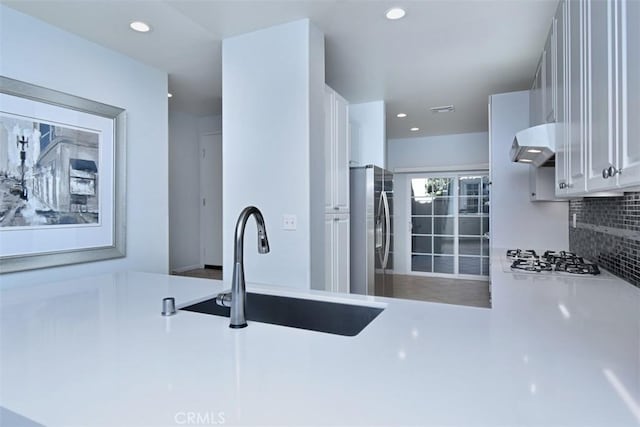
(322,316)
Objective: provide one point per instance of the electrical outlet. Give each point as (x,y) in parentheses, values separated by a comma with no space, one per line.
(289,222)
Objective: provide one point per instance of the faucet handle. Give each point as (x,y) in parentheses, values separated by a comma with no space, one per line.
(223,299)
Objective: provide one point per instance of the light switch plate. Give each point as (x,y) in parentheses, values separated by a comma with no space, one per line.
(289,222)
(574,221)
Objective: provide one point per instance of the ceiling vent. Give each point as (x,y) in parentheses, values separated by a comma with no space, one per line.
(443,109)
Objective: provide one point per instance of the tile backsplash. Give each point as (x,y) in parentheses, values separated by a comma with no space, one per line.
(608,233)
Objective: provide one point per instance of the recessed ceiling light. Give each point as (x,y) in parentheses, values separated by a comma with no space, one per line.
(395,13)
(401,115)
(414,129)
(139,26)
(443,109)
(534,150)
(169,95)
(525,160)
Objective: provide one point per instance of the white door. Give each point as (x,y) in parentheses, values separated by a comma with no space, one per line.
(210,199)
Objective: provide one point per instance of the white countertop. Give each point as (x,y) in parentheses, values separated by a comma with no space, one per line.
(96,352)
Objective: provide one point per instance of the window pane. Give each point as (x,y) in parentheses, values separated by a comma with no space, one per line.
(485,205)
(443,225)
(485,186)
(469,226)
(421,207)
(485,247)
(443,264)
(485,224)
(469,265)
(421,244)
(443,206)
(470,245)
(468,205)
(425,188)
(421,225)
(470,185)
(443,245)
(485,266)
(421,263)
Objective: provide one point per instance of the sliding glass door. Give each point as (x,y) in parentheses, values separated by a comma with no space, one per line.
(450,224)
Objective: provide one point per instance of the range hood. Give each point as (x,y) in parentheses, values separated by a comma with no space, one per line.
(535,145)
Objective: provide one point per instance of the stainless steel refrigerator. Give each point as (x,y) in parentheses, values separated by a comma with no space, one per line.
(371,223)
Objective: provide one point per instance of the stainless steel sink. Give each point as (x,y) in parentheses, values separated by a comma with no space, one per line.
(322,316)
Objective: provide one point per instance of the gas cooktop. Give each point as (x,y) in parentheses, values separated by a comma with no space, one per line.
(528,260)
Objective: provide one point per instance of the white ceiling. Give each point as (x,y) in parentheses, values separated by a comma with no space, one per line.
(443,52)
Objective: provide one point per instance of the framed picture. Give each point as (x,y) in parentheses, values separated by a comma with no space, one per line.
(62,178)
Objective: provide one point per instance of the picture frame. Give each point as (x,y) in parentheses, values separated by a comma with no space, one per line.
(62,178)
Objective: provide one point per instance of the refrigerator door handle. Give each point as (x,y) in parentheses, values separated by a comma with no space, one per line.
(387,220)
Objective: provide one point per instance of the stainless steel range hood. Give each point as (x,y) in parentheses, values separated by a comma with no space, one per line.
(535,145)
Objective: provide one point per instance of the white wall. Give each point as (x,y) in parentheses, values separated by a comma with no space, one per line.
(184,195)
(185,131)
(445,151)
(368,139)
(434,153)
(41,54)
(517,222)
(273,120)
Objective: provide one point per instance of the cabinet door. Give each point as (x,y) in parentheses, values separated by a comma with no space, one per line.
(600,109)
(536,101)
(549,95)
(329,156)
(337,252)
(577,100)
(561,100)
(341,248)
(341,156)
(329,243)
(629,90)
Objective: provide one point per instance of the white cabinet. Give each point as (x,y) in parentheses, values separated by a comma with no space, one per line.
(336,153)
(550,78)
(536,98)
(628,35)
(543,98)
(600,138)
(336,192)
(541,184)
(575,121)
(337,253)
(598,150)
(561,69)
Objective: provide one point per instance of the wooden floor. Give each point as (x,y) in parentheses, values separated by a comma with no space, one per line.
(202,273)
(473,293)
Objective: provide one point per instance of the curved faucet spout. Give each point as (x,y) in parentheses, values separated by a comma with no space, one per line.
(238,288)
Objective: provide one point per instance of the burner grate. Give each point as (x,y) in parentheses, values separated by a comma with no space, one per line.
(535,265)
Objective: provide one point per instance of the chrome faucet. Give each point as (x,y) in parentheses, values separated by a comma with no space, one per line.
(238,296)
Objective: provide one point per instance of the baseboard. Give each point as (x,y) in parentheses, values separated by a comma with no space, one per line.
(187,268)
(213,267)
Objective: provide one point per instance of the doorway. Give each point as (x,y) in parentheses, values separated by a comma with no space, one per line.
(211,200)
(449,215)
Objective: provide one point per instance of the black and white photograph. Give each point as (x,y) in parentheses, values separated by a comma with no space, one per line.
(49,174)
(62,178)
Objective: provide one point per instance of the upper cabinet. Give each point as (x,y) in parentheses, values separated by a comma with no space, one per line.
(628,119)
(561,106)
(336,153)
(536,98)
(595,72)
